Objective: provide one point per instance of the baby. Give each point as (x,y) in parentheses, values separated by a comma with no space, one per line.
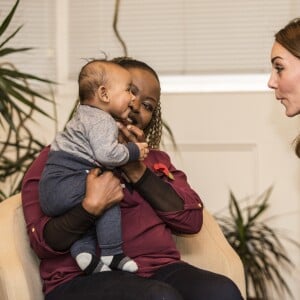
(90,140)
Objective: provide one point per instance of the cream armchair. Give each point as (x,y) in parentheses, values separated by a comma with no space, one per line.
(19,266)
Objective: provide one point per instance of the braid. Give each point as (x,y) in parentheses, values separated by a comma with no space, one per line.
(153,132)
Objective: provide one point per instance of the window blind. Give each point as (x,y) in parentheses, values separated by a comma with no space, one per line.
(181,37)
(38,32)
(178,37)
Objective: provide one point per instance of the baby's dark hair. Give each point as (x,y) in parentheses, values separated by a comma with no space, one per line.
(91,76)
(153,131)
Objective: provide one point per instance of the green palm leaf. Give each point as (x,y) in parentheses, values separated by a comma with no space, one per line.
(20,75)
(10,37)
(8,19)
(6,51)
(18,146)
(259,247)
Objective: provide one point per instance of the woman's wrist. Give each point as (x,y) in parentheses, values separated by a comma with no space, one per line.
(134,170)
(92,207)
(62,231)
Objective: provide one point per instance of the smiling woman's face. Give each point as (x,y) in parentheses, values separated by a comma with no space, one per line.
(285,78)
(146,90)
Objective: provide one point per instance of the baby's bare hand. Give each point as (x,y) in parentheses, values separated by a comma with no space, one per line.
(144,150)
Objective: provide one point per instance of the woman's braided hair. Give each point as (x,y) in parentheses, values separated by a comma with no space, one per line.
(153,131)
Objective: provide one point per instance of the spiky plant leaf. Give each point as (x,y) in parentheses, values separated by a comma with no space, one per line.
(6,51)
(10,37)
(259,246)
(18,146)
(8,18)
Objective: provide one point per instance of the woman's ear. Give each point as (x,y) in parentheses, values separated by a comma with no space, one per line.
(102,93)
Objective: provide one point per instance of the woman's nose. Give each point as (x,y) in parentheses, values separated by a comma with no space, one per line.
(272,82)
(132,97)
(135,104)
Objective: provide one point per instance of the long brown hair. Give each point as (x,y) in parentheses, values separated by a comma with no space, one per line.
(289,38)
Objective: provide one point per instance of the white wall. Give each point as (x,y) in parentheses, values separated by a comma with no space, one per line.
(239,141)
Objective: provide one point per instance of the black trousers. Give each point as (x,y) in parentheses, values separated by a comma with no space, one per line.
(178,281)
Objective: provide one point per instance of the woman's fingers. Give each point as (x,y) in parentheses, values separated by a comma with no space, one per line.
(95,172)
(131,133)
(137,132)
(101,191)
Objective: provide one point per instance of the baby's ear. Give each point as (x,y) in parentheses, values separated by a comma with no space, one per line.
(102,93)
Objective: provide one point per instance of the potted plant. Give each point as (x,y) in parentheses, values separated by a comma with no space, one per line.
(18,146)
(259,246)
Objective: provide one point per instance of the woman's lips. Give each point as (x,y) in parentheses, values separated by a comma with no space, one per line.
(132,120)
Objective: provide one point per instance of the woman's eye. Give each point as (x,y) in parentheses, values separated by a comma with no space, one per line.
(134,90)
(278,69)
(148,107)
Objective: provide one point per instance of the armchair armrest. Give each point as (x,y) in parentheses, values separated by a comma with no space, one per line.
(19,266)
(210,250)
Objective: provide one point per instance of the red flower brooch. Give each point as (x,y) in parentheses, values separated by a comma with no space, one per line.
(159,167)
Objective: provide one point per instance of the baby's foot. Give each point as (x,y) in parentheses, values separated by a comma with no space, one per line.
(90,263)
(120,262)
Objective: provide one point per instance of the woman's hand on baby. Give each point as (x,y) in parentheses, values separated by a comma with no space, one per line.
(130,133)
(102,191)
